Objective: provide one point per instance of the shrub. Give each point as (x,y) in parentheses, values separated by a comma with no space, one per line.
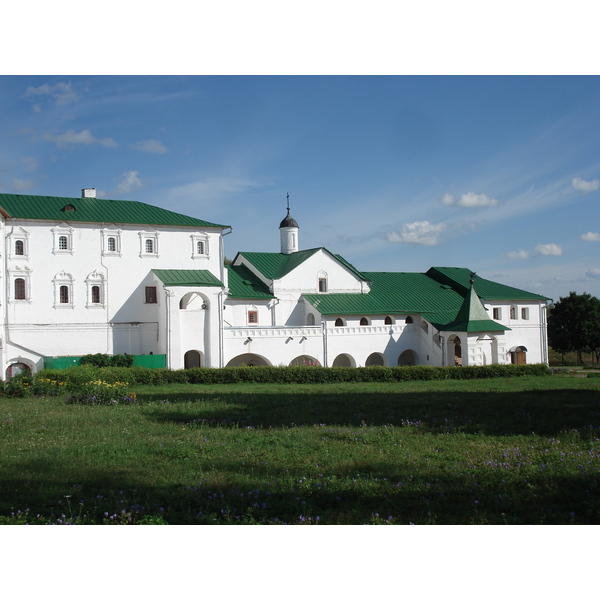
(107,360)
(100,392)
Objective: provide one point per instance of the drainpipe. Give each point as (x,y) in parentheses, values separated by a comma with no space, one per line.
(105,291)
(324,327)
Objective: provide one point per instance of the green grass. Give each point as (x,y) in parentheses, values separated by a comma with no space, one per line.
(515,451)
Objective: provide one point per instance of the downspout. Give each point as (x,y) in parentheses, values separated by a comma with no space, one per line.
(6,295)
(324,327)
(221,296)
(106,294)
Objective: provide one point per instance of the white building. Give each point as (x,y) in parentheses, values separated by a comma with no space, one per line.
(85,275)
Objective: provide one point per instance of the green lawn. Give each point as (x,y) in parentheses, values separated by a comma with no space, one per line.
(499,451)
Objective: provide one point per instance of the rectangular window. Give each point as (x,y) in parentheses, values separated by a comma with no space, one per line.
(322,284)
(252,317)
(497,314)
(513,312)
(150,295)
(525,314)
(64,294)
(63,242)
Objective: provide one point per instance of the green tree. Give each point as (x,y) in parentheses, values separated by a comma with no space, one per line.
(574,325)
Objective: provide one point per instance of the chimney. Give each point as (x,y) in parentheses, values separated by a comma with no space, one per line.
(88,193)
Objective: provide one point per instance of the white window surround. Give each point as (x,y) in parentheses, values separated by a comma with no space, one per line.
(19,273)
(63,279)
(152,237)
(62,231)
(18,235)
(200,242)
(322,282)
(106,248)
(95,279)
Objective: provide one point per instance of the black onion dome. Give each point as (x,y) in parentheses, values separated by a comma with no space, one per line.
(289,221)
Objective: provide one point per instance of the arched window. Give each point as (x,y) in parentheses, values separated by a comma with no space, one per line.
(388,321)
(95,294)
(200,247)
(63,242)
(149,246)
(339,322)
(20,289)
(408,320)
(111,244)
(64,294)
(19,248)
(310,319)
(364,321)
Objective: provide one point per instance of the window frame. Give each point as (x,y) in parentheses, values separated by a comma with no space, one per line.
(145,237)
(64,280)
(497,313)
(252,317)
(197,239)
(63,231)
(150,294)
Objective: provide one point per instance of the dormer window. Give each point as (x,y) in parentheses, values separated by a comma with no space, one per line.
(68,208)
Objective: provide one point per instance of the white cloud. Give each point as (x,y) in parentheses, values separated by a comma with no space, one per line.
(22,185)
(590,236)
(593,273)
(152,146)
(549,249)
(129,182)
(83,137)
(469,200)
(585,186)
(62,93)
(419,232)
(518,254)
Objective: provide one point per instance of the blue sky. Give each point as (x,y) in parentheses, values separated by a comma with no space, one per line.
(499,174)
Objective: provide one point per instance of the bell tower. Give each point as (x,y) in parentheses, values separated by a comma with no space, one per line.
(288,232)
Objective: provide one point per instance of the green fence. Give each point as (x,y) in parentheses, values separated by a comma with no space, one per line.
(150,361)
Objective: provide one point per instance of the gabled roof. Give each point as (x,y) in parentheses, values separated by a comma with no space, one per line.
(274,265)
(187,277)
(459,279)
(243,284)
(93,210)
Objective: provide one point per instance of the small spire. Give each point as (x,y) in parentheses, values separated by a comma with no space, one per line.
(288,201)
(472,280)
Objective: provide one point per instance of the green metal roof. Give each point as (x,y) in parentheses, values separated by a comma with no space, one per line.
(274,265)
(394,293)
(187,277)
(243,284)
(93,210)
(459,278)
(443,296)
(473,317)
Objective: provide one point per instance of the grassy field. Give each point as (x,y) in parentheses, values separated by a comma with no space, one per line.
(501,451)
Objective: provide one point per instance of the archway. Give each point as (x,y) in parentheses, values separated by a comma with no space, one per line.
(16,369)
(305,361)
(193,301)
(192,359)
(407,359)
(454,351)
(375,360)
(248,360)
(518,355)
(343,360)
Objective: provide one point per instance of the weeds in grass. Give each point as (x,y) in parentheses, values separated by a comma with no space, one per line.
(450,452)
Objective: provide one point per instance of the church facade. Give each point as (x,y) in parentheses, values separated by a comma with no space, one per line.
(87,275)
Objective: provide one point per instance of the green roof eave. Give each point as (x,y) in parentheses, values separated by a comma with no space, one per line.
(472,326)
(94,210)
(187,277)
(245,285)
